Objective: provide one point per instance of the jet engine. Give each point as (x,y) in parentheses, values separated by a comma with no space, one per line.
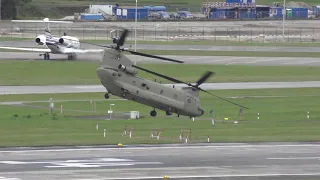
(129,70)
(40,40)
(64,42)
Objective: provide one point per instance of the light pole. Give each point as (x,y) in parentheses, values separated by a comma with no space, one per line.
(110,111)
(284,12)
(135,30)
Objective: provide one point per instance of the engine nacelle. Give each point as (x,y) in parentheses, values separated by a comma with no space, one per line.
(129,70)
(40,40)
(64,42)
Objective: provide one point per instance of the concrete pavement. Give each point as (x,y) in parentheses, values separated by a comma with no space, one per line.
(225,60)
(214,161)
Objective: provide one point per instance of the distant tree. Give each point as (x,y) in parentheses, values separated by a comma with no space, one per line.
(9,8)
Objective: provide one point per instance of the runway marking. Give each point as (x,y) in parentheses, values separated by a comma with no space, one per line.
(293,158)
(4,178)
(89,163)
(215,176)
(150,148)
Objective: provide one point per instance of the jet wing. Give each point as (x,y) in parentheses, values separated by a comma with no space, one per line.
(82,51)
(27,49)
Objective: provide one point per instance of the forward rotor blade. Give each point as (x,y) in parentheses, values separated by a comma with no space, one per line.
(223,99)
(122,38)
(153,56)
(160,75)
(204,78)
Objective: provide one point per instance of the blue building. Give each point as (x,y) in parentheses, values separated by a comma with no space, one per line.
(297,13)
(316,11)
(222,13)
(91,17)
(241,1)
(246,13)
(130,13)
(276,12)
(262,11)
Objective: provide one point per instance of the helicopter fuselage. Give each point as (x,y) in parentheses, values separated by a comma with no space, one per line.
(129,86)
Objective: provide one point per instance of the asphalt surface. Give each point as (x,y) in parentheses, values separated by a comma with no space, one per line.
(31,44)
(99,88)
(217,161)
(226,60)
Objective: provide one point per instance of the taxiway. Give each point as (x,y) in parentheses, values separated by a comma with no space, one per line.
(214,161)
(30,44)
(226,60)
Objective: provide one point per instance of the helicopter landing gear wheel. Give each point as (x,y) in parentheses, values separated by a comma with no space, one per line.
(168,113)
(153,113)
(106,96)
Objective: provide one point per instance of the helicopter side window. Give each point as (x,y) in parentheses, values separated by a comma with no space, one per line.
(143,85)
(161,92)
(189,100)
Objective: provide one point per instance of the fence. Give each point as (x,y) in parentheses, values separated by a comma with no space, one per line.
(158,32)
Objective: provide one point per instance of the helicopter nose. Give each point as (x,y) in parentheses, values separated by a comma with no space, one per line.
(201,111)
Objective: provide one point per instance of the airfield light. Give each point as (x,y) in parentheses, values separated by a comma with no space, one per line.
(110,111)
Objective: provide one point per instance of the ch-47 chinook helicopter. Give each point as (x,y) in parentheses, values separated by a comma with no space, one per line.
(118,75)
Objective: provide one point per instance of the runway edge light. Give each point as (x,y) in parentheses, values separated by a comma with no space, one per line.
(119,145)
(166,177)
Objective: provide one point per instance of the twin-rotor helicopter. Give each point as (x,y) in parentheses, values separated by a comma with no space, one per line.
(119,76)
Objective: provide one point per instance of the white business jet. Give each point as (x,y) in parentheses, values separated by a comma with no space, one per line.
(55,45)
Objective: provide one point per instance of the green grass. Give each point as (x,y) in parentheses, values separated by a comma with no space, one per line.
(232,53)
(281,119)
(76,72)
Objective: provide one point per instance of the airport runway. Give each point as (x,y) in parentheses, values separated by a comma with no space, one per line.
(31,44)
(99,88)
(209,161)
(226,60)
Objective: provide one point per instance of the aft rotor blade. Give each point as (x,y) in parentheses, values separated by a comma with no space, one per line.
(178,81)
(122,38)
(153,56)
(223,99)
(204,78)
(161,75)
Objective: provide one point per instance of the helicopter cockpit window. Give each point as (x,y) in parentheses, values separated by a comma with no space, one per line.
(143,85)
(189,100)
